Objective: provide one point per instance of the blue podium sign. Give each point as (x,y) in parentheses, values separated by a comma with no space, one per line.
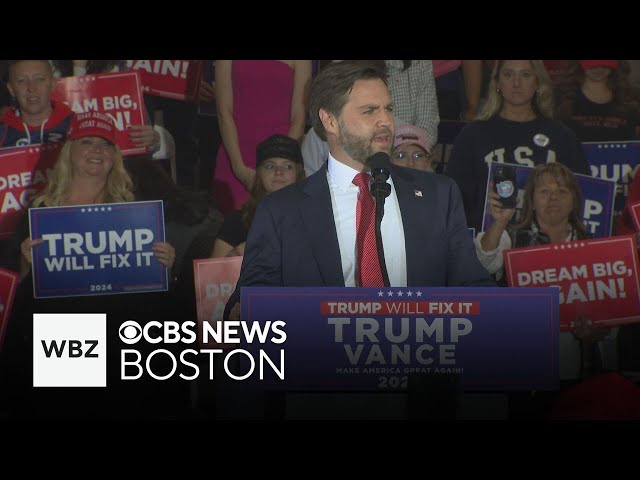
(374,339)
(97,249)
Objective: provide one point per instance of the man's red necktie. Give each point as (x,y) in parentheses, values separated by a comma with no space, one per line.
(368,272)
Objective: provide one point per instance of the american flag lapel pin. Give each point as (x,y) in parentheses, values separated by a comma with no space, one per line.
(418,193)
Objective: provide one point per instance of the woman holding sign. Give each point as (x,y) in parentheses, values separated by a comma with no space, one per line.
(89,171)
(140,135)
(551,214)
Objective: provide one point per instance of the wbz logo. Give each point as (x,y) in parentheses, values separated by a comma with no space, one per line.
(69,350)
(74,348)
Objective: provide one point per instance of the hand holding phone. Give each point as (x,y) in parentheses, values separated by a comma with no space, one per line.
(504,184)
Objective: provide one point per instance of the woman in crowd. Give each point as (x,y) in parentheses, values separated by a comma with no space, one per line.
(597,103)
(140,135)
(254,99)
(515,126)
(279,163)
(550,214)
(89,170)
(412,148)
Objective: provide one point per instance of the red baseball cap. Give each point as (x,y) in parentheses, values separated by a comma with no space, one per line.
(588,64)
(92,124)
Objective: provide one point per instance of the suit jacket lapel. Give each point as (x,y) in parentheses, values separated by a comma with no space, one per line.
(411,200)
(317,215)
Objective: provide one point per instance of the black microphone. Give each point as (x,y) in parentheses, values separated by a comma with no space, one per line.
(380,164)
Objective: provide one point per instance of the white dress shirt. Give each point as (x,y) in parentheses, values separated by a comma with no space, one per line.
(344,200)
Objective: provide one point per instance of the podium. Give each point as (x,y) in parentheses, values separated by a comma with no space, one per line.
(388,353)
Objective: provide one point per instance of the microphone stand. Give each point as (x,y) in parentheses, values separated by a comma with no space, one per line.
(381,190)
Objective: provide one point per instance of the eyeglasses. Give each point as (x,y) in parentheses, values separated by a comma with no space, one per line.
(416,156)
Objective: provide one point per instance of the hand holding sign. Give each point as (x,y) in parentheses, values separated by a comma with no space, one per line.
(27,245)
(143,136)
(165,253)
(585,331)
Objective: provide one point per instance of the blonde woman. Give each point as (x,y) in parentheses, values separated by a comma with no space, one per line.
(89,170)
(514,126)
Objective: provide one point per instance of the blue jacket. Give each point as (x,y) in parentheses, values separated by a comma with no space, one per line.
(293,241)
(15,133)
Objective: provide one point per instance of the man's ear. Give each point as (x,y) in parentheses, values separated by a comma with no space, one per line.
(329,122)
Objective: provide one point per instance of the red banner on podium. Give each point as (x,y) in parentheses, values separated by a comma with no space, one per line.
(118,95)
(8,283)
(215,280)
(24,172)
(598,279)
(176,79)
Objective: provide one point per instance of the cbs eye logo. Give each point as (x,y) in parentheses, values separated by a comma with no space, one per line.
(130,332)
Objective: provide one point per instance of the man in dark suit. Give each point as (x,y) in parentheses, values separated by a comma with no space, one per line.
(304,234)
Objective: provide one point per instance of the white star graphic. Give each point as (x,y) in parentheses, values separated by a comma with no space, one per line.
(568,245)
(399,293)
(390,293)
(88,209)
(561,247)
(380,293)
(418,293)
(102,209)
(409,293)
(108,209)
(82,210)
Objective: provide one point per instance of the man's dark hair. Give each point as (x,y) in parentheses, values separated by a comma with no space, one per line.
(331,88)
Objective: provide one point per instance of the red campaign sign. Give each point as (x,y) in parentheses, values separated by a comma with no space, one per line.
(24,172)
(8,282)
(118,95)
(635,214)
(598,279)
(176,79)
(215,280)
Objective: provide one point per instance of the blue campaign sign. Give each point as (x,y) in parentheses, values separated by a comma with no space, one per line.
(97,249)
(615,161)
(374,339)
(597,200)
